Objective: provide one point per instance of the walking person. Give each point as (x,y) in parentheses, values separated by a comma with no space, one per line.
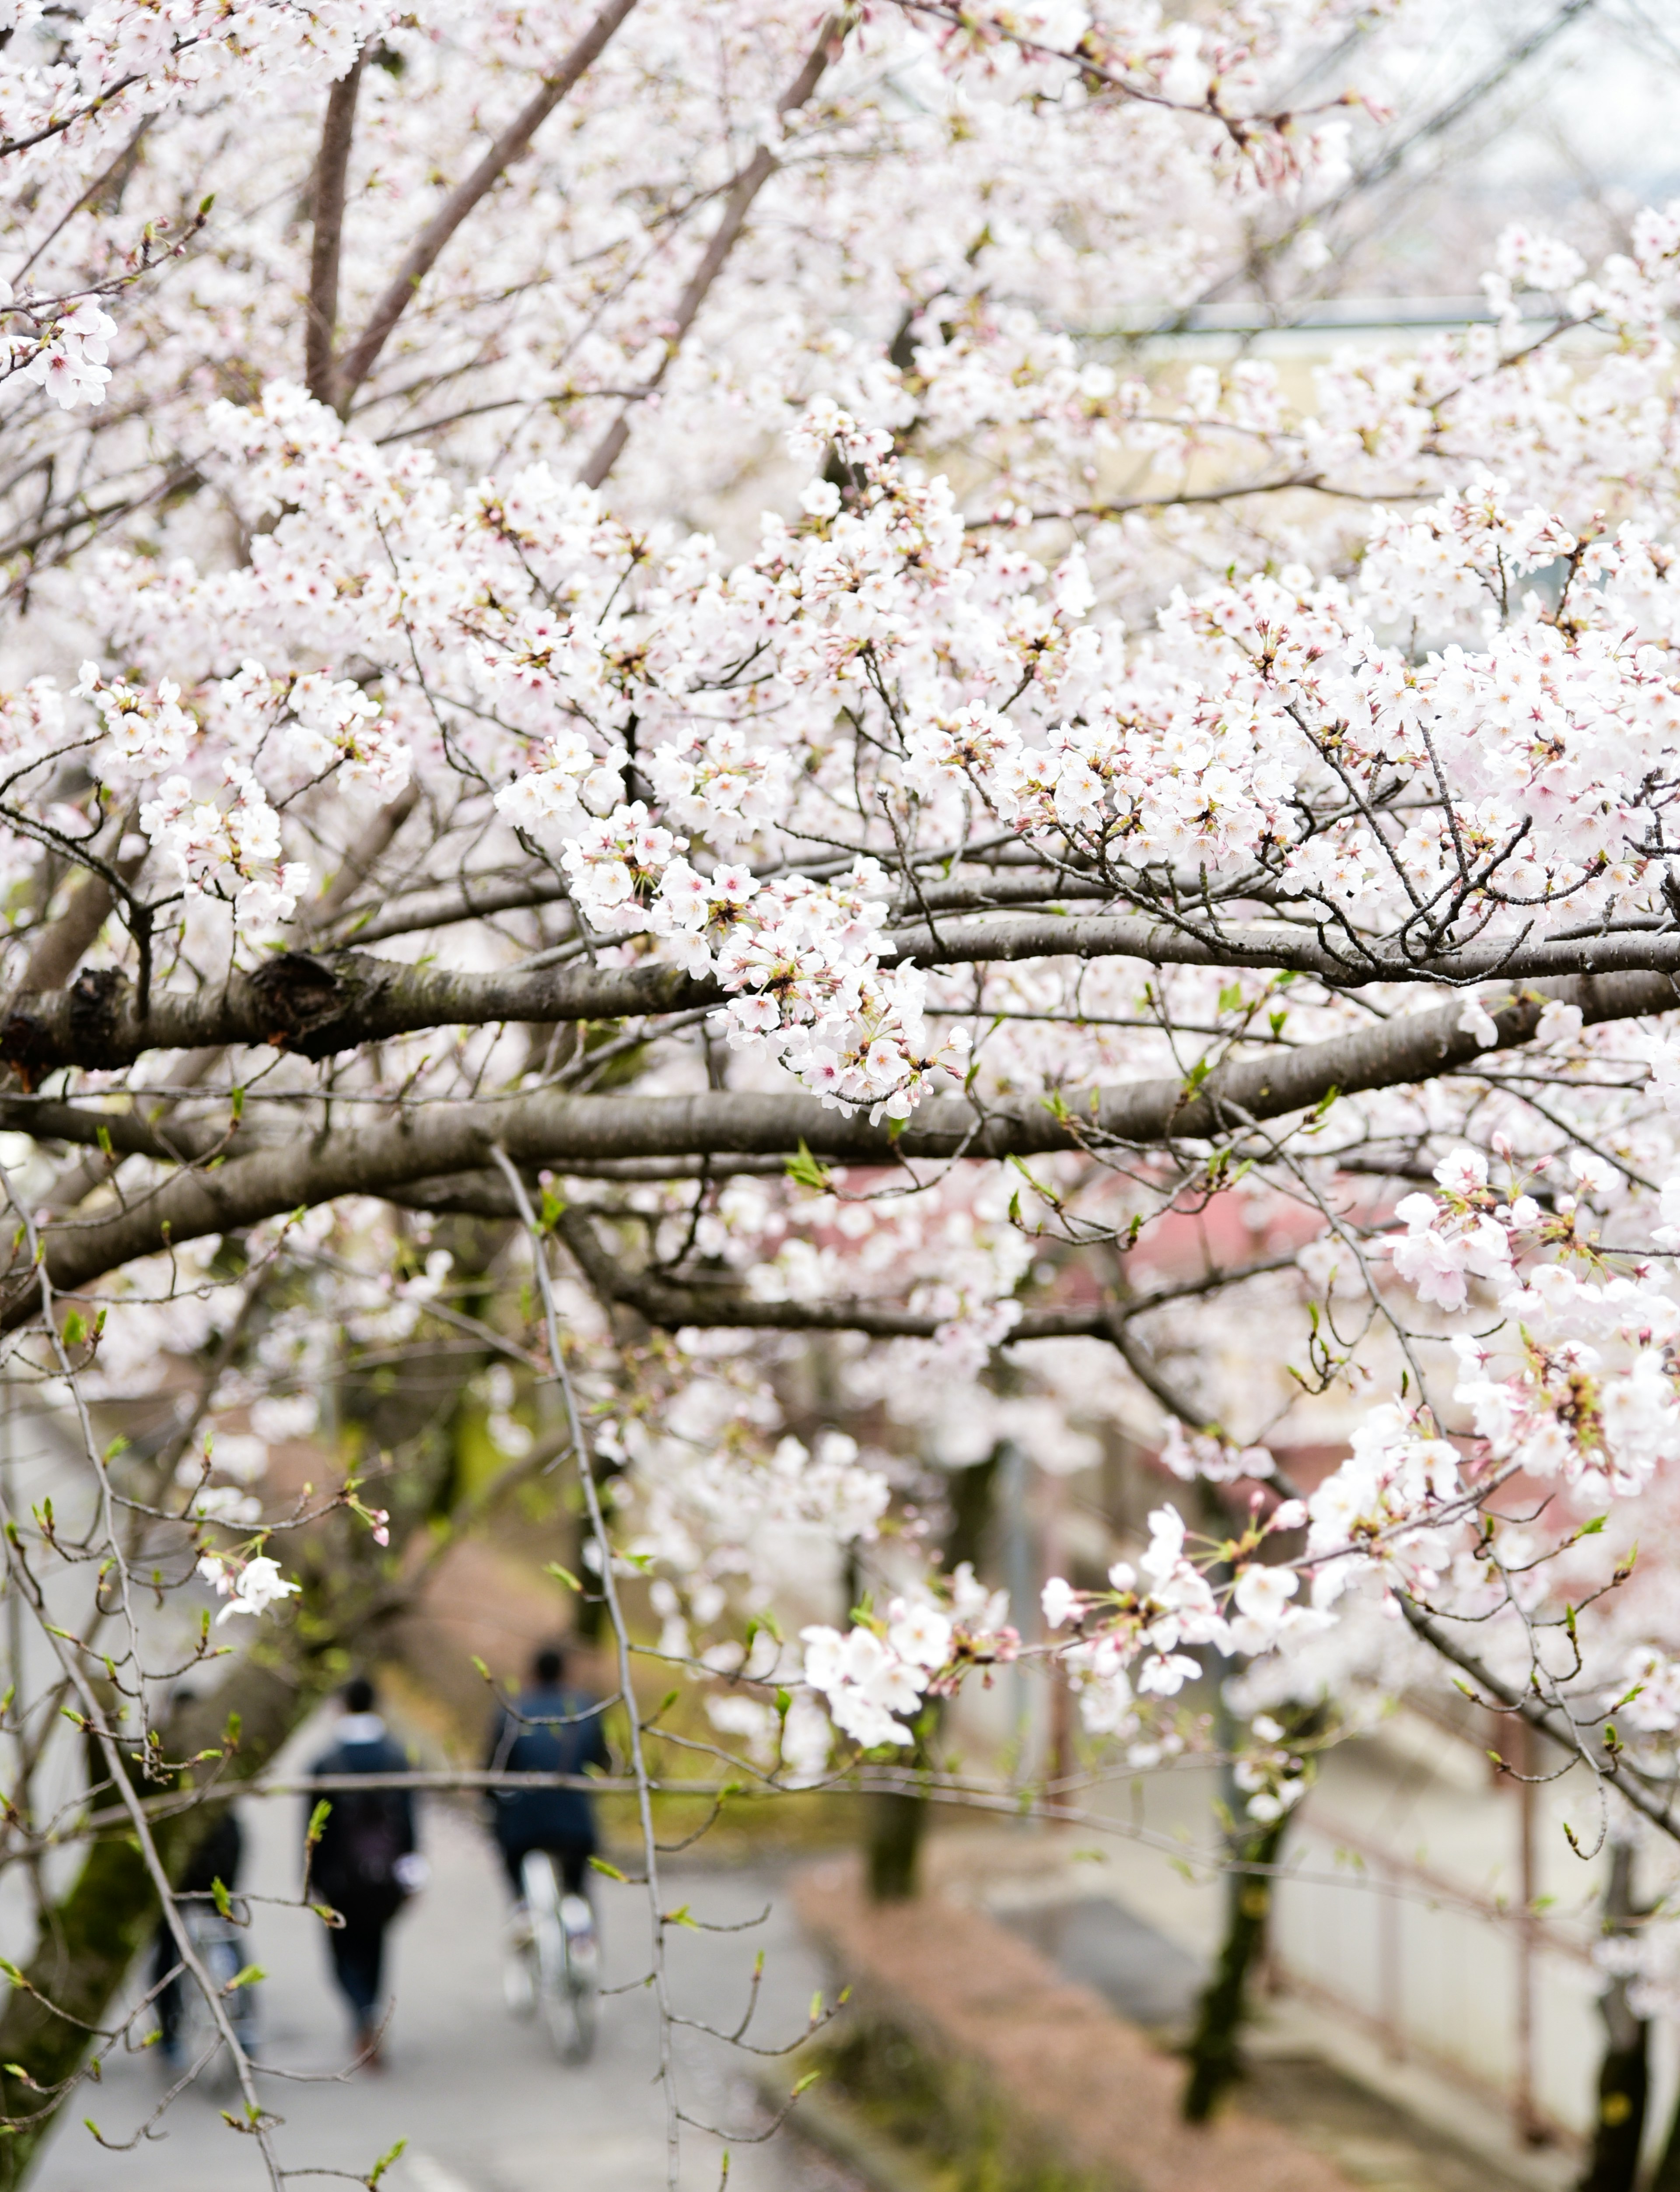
(550,1728)
(217,1857)
(365,1865)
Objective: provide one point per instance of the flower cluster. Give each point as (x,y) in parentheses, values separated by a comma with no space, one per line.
(230,851)
(250,1585)
(66,355)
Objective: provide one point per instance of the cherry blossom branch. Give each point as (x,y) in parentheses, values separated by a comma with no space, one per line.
(1545,1719)
(1084,59)
(515,141)
(736,205)
(51,129)
(673,1304)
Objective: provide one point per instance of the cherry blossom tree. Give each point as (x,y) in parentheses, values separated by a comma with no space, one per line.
(626,747)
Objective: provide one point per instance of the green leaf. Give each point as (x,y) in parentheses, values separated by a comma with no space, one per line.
(601,1865)
(384,2162)
(804,2084)
(248,1975)
(805,1171)
(318,1821)
(563,1575)
(224,1900)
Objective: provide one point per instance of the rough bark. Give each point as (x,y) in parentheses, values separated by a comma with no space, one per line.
(319,1003)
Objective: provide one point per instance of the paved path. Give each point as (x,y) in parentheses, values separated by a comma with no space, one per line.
(485,2108)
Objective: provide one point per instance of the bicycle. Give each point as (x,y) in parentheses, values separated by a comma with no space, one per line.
(220,1944)
(559,1960)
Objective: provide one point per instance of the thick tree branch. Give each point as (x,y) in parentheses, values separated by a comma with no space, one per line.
(61,945)
(671,1305)
(1288,948)
(358,362)
(332,165)
(471,899)
(361,861)
(736,205)
(550,1129)
(317,1004)
(474,896)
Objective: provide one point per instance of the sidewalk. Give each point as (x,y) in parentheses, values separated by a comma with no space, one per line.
(1396,2123)
(483,2103)
(1090,2085)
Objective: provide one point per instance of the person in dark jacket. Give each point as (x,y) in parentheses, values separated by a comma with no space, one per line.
(365,1864)
(549,1729)
(217,1857)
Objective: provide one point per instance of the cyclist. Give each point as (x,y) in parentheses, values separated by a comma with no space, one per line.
(549,1729)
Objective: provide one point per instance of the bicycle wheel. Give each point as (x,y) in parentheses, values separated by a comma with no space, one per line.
(583,1976)
(548,1946)
(562,1961)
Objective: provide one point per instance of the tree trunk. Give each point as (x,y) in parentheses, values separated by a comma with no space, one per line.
(898,1823)
(1215,2050)
(1624,2074)
(897,1829)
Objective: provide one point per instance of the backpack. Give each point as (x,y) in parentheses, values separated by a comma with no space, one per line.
(367,1843)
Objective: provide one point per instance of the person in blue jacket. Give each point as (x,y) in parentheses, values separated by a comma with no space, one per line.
(365,1864)
(550,1728)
